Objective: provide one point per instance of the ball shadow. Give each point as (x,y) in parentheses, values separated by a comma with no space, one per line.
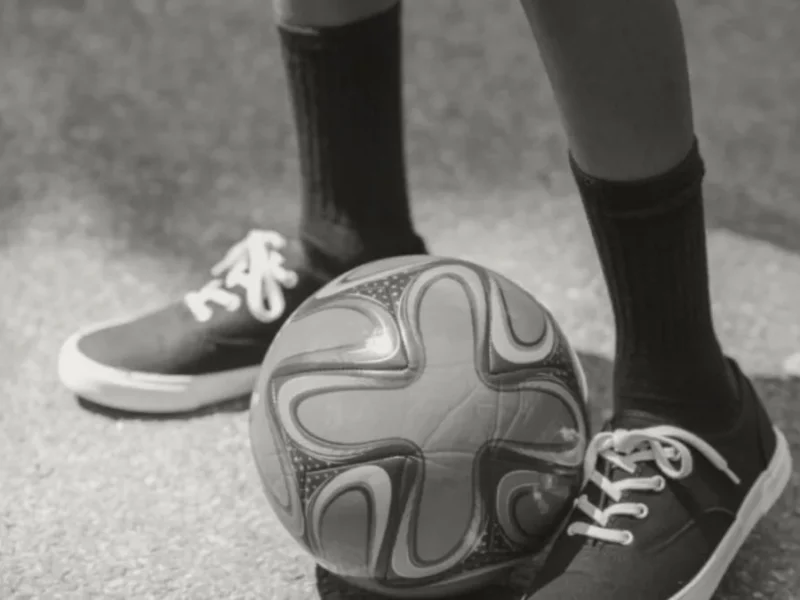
(331,587)
(239,404)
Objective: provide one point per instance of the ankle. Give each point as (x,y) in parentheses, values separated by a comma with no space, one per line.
(702,396)
(338,250)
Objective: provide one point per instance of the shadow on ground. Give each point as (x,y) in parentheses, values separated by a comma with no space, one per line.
(233,405)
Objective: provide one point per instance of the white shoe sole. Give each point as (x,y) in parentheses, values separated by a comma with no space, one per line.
(762,496)
(148,393)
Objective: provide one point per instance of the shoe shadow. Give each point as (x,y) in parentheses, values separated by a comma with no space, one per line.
(239,404)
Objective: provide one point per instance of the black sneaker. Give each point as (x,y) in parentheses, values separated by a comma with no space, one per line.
(663,511)
(199,351)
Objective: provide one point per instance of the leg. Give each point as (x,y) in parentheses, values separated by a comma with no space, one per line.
(663,509)
(343,65)
(343,62)
(621,81)
(620,76)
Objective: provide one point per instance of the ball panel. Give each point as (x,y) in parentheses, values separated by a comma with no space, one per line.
(535,507)
(345,533)
(508,477)
(541,418)
(268,458)
(507,353)
(527,319)
(371,279)
(400,411)
(328,416)
(445,320)
(386,265)
(350,515)
(333,330)
(534,499)
(276,470)
(386,484)
(446,515)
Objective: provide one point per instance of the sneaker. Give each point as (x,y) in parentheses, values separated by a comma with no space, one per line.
(201,350)
(663,511)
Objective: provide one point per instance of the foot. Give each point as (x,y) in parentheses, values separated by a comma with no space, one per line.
(663,511)
(201,350)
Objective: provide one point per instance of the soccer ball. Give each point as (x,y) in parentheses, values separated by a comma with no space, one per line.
(419,426)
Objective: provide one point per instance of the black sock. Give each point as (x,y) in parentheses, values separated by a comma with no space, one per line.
(651,241)
(346,89)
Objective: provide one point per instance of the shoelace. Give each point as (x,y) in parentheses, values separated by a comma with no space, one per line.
(664,445)
(255,264)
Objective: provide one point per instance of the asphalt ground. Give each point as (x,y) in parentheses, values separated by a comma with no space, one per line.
(138,139)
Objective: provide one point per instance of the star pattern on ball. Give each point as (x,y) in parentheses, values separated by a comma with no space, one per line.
(456,433)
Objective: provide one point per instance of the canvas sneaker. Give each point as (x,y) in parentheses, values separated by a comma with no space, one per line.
(663,510)
(201,350)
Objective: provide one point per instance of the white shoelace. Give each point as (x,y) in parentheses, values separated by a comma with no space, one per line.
(255,264)
(665,445)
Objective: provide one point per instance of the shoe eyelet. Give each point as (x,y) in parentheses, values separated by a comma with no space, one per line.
(627,539)
(661,484)
(642,511)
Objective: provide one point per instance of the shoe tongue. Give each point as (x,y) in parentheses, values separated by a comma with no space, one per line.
(294,256)
(631,418)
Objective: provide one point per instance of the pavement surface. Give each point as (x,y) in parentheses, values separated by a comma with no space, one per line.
(138,139)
